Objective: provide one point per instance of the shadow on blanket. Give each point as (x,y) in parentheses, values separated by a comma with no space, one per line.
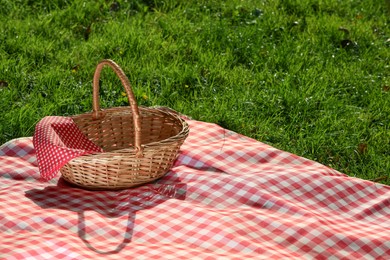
(110,204)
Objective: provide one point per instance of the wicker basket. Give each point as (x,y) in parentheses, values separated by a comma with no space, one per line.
(128,159)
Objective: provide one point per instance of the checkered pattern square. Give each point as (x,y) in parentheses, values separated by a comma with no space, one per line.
(226,197)
(57,140)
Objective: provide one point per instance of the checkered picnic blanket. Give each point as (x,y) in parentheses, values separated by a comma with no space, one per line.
(227,197)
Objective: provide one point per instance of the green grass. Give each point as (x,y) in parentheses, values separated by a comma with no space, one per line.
(278,71)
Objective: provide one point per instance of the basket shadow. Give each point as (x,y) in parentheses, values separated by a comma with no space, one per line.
(110,204)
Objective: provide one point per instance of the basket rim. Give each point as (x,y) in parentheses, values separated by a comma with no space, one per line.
(183,133)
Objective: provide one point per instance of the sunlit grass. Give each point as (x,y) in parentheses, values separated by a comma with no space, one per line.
(308,77)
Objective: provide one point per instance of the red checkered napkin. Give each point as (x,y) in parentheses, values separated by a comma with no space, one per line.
(57,140)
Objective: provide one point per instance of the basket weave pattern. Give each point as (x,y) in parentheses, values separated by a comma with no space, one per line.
(140,144)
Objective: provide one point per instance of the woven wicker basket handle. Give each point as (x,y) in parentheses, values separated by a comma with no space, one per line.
(130,95)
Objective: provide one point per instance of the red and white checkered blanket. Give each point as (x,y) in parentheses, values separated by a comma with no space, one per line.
(227,197)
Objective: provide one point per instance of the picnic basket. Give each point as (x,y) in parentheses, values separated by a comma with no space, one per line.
(140,144)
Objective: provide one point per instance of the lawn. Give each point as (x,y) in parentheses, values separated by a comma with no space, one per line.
(308,77)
